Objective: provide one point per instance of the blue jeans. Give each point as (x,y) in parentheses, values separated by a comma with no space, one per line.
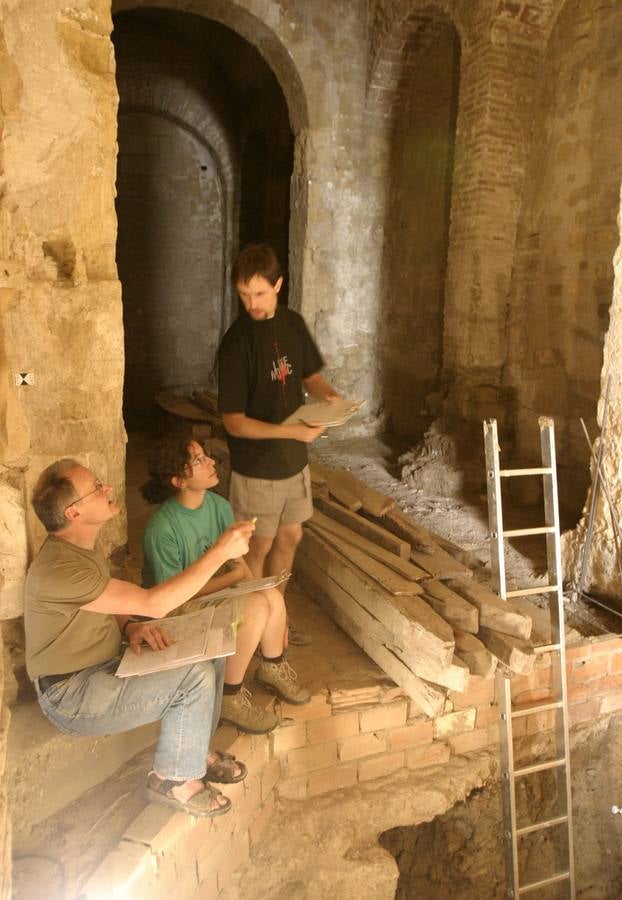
(186,701)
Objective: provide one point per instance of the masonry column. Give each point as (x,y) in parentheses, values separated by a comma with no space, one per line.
(497,82)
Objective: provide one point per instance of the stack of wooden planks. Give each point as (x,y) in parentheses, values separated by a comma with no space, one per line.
(404,594)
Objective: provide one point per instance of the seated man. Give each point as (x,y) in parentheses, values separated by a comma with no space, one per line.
(190,519)
(75,616)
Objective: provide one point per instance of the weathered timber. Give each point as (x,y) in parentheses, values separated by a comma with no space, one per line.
(451,606)
(401,566)
(517,654)
(494,612)
(371,501)
(541,619)
(369,530)
(430,699)
(385,577)
(477,657)
(425,552)
(455,676)
(409,620)
(335,488)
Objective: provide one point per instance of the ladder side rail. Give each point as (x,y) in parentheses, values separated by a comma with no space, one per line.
(558,659)
(508,785)
(495,513)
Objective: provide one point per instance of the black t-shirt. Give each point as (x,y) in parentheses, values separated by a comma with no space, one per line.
(261,367)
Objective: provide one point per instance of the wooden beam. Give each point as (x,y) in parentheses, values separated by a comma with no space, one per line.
(430,698)
(425,553)
(477,657)
(451,606)
(518,655)
(409,620)
(369,530)
(494,612)
(401,566)
(372,501)
(335,488)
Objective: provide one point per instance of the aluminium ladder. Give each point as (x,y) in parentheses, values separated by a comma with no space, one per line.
(560,764)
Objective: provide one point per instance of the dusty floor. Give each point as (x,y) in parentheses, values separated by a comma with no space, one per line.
(59,856)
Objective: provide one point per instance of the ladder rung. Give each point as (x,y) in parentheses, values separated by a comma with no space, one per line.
(526,592)
(540,767)
(521,532)
(547,648)
(540,826)
(539,470)
(535,885)
(534,708)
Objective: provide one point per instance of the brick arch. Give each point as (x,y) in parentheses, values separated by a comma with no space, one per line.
(278,58)
(396,43)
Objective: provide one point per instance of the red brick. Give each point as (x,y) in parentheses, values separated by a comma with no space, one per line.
(269,777)
(288,737)
(257,759)
(208,888)
(434,755)
(380,766)
(611,703)
(362,745)
(309,759)
(590,668)
(293,788)
(340,725)
(577,651)
(261,820)
(454,723)
(487,715)
(616,662)
(420,732)
(584,712)
(479,691)
(237,856)
(473,740)
(245,811)
(332,779)
(317,708)
(391,716)
(609,644)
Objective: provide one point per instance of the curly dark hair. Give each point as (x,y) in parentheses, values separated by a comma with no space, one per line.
(167,459)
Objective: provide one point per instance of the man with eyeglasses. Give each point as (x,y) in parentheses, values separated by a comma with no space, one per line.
(75,616)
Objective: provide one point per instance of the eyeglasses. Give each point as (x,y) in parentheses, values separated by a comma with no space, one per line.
(99,487)
(198,461)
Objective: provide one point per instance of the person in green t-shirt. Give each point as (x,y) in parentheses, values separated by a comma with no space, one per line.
(189,520)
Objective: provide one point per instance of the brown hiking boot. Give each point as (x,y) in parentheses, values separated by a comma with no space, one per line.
(238,710)
(280,679)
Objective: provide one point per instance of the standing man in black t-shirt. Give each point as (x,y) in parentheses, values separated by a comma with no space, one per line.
(266,361)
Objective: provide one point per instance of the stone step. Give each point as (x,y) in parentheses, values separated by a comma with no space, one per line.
(46,769)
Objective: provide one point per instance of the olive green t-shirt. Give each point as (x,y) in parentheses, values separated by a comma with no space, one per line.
(60,636)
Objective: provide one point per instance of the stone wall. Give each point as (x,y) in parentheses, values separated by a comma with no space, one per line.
(562,279)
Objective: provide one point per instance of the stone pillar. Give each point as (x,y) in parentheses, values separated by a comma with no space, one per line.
(497,82)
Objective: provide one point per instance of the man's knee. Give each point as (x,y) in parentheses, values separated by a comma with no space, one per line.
(259,547)
(288,537)
(257,607)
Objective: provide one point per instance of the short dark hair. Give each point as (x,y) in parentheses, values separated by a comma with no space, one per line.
(167,459)
(257,259)
(53,493)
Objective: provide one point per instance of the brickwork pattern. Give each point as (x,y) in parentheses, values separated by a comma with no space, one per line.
(320,748)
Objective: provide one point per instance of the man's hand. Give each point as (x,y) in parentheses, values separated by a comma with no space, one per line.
(148,633)
(234,541)
(306,433)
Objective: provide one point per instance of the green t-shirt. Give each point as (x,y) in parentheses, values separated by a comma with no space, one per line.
(176,536)
(60,636)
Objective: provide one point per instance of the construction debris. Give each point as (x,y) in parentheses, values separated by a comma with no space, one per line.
(400,592)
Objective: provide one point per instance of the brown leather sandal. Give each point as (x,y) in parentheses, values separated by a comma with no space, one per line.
(200,804)
(222,770)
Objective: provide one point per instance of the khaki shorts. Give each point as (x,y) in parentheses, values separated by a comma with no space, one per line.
(284,501)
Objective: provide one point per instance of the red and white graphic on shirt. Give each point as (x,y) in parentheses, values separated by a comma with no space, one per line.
(281,368)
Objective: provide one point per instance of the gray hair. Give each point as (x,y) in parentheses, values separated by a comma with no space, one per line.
(53,493)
